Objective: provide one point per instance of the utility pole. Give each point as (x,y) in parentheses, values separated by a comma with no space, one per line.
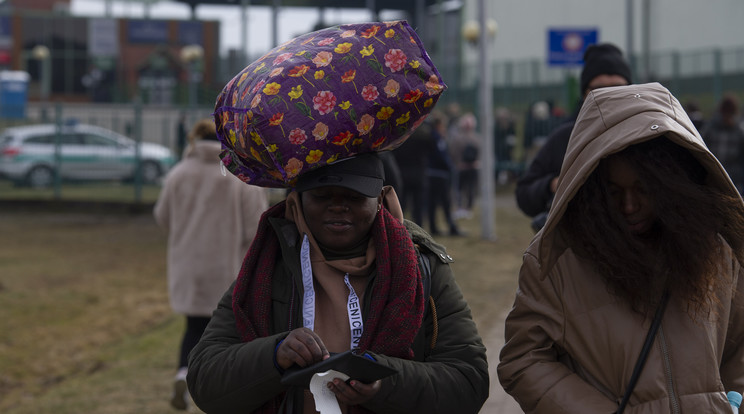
(486,115)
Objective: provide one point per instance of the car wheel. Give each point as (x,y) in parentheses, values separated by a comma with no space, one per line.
(150,172)
(40,177)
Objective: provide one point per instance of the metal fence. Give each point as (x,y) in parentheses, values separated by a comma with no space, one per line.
(699,77)
(83,172)
(702,77)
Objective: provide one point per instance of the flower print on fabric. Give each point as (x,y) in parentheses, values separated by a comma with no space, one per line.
(395,59)
(325,96)
(324,102)
(369,93)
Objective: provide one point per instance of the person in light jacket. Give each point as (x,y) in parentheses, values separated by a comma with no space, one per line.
(211,219)
(643,211)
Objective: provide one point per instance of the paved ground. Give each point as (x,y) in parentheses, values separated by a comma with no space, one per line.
(498,401)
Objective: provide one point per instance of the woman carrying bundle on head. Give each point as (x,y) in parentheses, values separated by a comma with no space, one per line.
(335,267)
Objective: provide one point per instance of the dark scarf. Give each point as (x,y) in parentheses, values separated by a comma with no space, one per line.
(397,302)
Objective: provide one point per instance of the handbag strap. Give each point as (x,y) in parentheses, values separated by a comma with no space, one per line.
(644,352)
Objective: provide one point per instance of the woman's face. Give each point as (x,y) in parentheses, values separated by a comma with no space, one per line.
(629,196)
(339,218)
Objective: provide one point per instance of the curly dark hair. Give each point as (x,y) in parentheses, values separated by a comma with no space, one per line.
(682,251)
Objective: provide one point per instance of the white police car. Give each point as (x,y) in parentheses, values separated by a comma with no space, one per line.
(30,155)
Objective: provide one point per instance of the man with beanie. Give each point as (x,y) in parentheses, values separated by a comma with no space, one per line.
(604,65)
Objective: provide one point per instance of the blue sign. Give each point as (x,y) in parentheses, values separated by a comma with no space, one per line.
(190,33)
(5,26)
(566,46)
(6,41)
(147,31)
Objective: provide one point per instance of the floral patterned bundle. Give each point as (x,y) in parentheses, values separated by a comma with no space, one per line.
(325,96)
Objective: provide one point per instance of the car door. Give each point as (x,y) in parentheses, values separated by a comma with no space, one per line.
(109,158)
(74,159)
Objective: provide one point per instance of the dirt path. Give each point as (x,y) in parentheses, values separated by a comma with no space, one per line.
(499,402)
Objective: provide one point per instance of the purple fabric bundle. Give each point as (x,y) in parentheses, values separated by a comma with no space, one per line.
(325,96)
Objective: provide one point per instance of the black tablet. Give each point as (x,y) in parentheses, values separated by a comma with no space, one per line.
(356,366)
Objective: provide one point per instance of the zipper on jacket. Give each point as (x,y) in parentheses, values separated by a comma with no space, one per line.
(668,369)
(291,308)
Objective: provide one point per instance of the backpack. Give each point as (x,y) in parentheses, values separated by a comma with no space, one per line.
(425,267)
(470,153)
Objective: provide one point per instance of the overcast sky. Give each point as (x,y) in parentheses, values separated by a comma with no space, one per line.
(292,21)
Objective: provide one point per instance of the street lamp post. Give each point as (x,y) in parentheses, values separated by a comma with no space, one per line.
(42,54)
(482,39)
(192,56)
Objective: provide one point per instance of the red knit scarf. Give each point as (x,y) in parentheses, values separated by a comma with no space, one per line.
(397,302)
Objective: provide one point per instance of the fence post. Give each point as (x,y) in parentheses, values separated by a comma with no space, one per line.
(508,83)
(138,152)
(675,72)
(535,82)
(717,76)
(58,151)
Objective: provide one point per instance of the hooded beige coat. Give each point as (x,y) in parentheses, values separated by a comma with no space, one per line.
(211,219)
(570,345)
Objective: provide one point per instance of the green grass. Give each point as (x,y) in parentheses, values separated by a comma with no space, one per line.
(83,191)
(85,323)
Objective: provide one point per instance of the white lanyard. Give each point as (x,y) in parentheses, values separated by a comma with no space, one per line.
(356,324)
(308,299)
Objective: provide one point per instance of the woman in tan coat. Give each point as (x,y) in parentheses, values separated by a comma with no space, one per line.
(643,212)
(211,219)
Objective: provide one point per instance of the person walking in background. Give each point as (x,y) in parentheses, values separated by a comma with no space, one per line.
(637,268)
(439,172)
(724,136)
(412,158)
(181,135)
(464,150)
(604,66)
(453,112)
(538,124)
(211,220)
(504,140)
(393,177)
(695,114)
(335,267)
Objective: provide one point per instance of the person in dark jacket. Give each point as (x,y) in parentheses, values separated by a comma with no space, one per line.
(335,267)
(724,136)
(348,239)
(412,158)
(439,173)
(504,138)
(604,66)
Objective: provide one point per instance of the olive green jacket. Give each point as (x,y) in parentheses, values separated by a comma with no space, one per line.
(227,375)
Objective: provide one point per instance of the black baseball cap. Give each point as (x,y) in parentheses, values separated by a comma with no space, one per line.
(362,173)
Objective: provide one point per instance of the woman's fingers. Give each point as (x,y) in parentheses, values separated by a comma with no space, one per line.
(302,347)
(354,392)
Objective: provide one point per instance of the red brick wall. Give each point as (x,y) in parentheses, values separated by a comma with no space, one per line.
(37,4)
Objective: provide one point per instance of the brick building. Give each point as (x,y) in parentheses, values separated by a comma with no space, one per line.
(108,59)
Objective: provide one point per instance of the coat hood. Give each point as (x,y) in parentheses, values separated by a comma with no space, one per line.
(204,150)
(610,120)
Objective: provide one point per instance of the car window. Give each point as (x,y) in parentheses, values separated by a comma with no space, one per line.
(71,139)
(98,140)
(41,139)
